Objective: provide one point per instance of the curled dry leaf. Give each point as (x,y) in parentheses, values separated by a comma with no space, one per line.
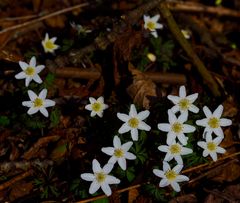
(132,195)
(141,88)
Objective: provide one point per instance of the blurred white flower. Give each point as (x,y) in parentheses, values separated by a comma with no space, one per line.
(213,121)
(176,128)
(133,122)
(96,106)
(49,44)
(211,146)
(38,103)
(100,178)
(186,33)
(184,103)
(170,176)
(174,150)
(119,152)
(30,71)
(151,24)
(151,57)
(79,28)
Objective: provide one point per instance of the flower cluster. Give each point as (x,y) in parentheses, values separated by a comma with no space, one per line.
(31,72)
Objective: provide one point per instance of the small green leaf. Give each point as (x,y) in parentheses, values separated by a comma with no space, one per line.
(4,121)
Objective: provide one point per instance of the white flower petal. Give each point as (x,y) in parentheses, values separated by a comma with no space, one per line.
(113,160)
(106,189)
(217,140)
(186,151)
(126,146)
(108,150)
(43,94)
(164,127)
(175,186)
(192,97)
(175,108)
(32,110)
(218,112)
(124,128)
(193,108)
(96,166)
(108,168)
(168,157)
(100,100)
(225,122)
(205,153)
(33,62)
(163,183)
(20,75)
(112,180)
(23,65)
(174,99)
(116,142)
(143,126)
(154,33)
(179,160)
(171,138)
(88,107)
(182,138)
(166,166)
(48,103)
(37,79)
(88,176)
(183,117)
(134,134)
(158,173)
(171,117)
(220,150)
(39,68)
(158,26)
(182,91)
(188,128)
(213,155)
(123,117)
(207,112)
(202,122)
(133,111)
(163,148)
(122,163)
(182,178)
(28,80)
(27,104)
(218,132)
(44,111)
(177,168)
(143,115)
(94,187)
(208,137)
(155,18)
(92,100)
(130,156)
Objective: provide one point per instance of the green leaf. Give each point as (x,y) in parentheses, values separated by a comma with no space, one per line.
(49,80)
(4,121)
(103,200)
(130,174)
(55,117)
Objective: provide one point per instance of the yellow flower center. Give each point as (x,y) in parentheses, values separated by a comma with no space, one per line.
(151,25)
(175,149)
(213,122)
(184,104)
(100,177)
(177,127)
(96,107)
(38,102)
(211,146)
(170,175)
(133,122)
(118,153)
(30,71)
(50,45)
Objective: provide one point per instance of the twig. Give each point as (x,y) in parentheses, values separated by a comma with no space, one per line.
(221,195)
(16,179)
(19,18)
(43,18)
(200,8)
(172,25)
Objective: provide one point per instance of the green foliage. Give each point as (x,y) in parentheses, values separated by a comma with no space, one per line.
(163,51)
(33,123)
(77,189)
(4,121)
(156,192)
(130,172)
(103,200)
(49,80)
(55,117)
(67,44)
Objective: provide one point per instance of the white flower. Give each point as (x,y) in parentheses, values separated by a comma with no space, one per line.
(152,24)
(211,146)
(176,128)
(100,178)
(151,57)
(186,34)
(170,176)
(80,29)
(184,103)
(213,121)
(49,44)
(30,71)
(119,152)
(96,106)
(174,150)
(38,103)
(133,122)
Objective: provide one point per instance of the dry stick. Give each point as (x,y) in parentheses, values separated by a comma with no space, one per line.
(71,72)
(43,18)
(14,180)
(19,18)
(139,185)
(197,7)
(172,25)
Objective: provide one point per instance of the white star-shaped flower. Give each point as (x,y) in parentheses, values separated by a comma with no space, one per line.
(175,150)
(96,106)
(100,178)
(38,103)
(170,176)
(49,44)
(30,71)
(176,128)
(211,146)
(119,152)
(213,121)
(133,122)
(152,24)
(184,103)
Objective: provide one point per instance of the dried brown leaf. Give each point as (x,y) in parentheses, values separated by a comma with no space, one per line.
(191,198)
(56,21)
(141,88)
(20,189)
(132,195)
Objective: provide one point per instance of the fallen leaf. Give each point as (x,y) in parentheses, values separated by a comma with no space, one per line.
(132,195)
(141,88)
(56,21)
(191,198)
(20,189)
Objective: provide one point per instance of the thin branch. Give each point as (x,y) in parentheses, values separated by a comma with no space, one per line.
(172,25)
(19,26)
